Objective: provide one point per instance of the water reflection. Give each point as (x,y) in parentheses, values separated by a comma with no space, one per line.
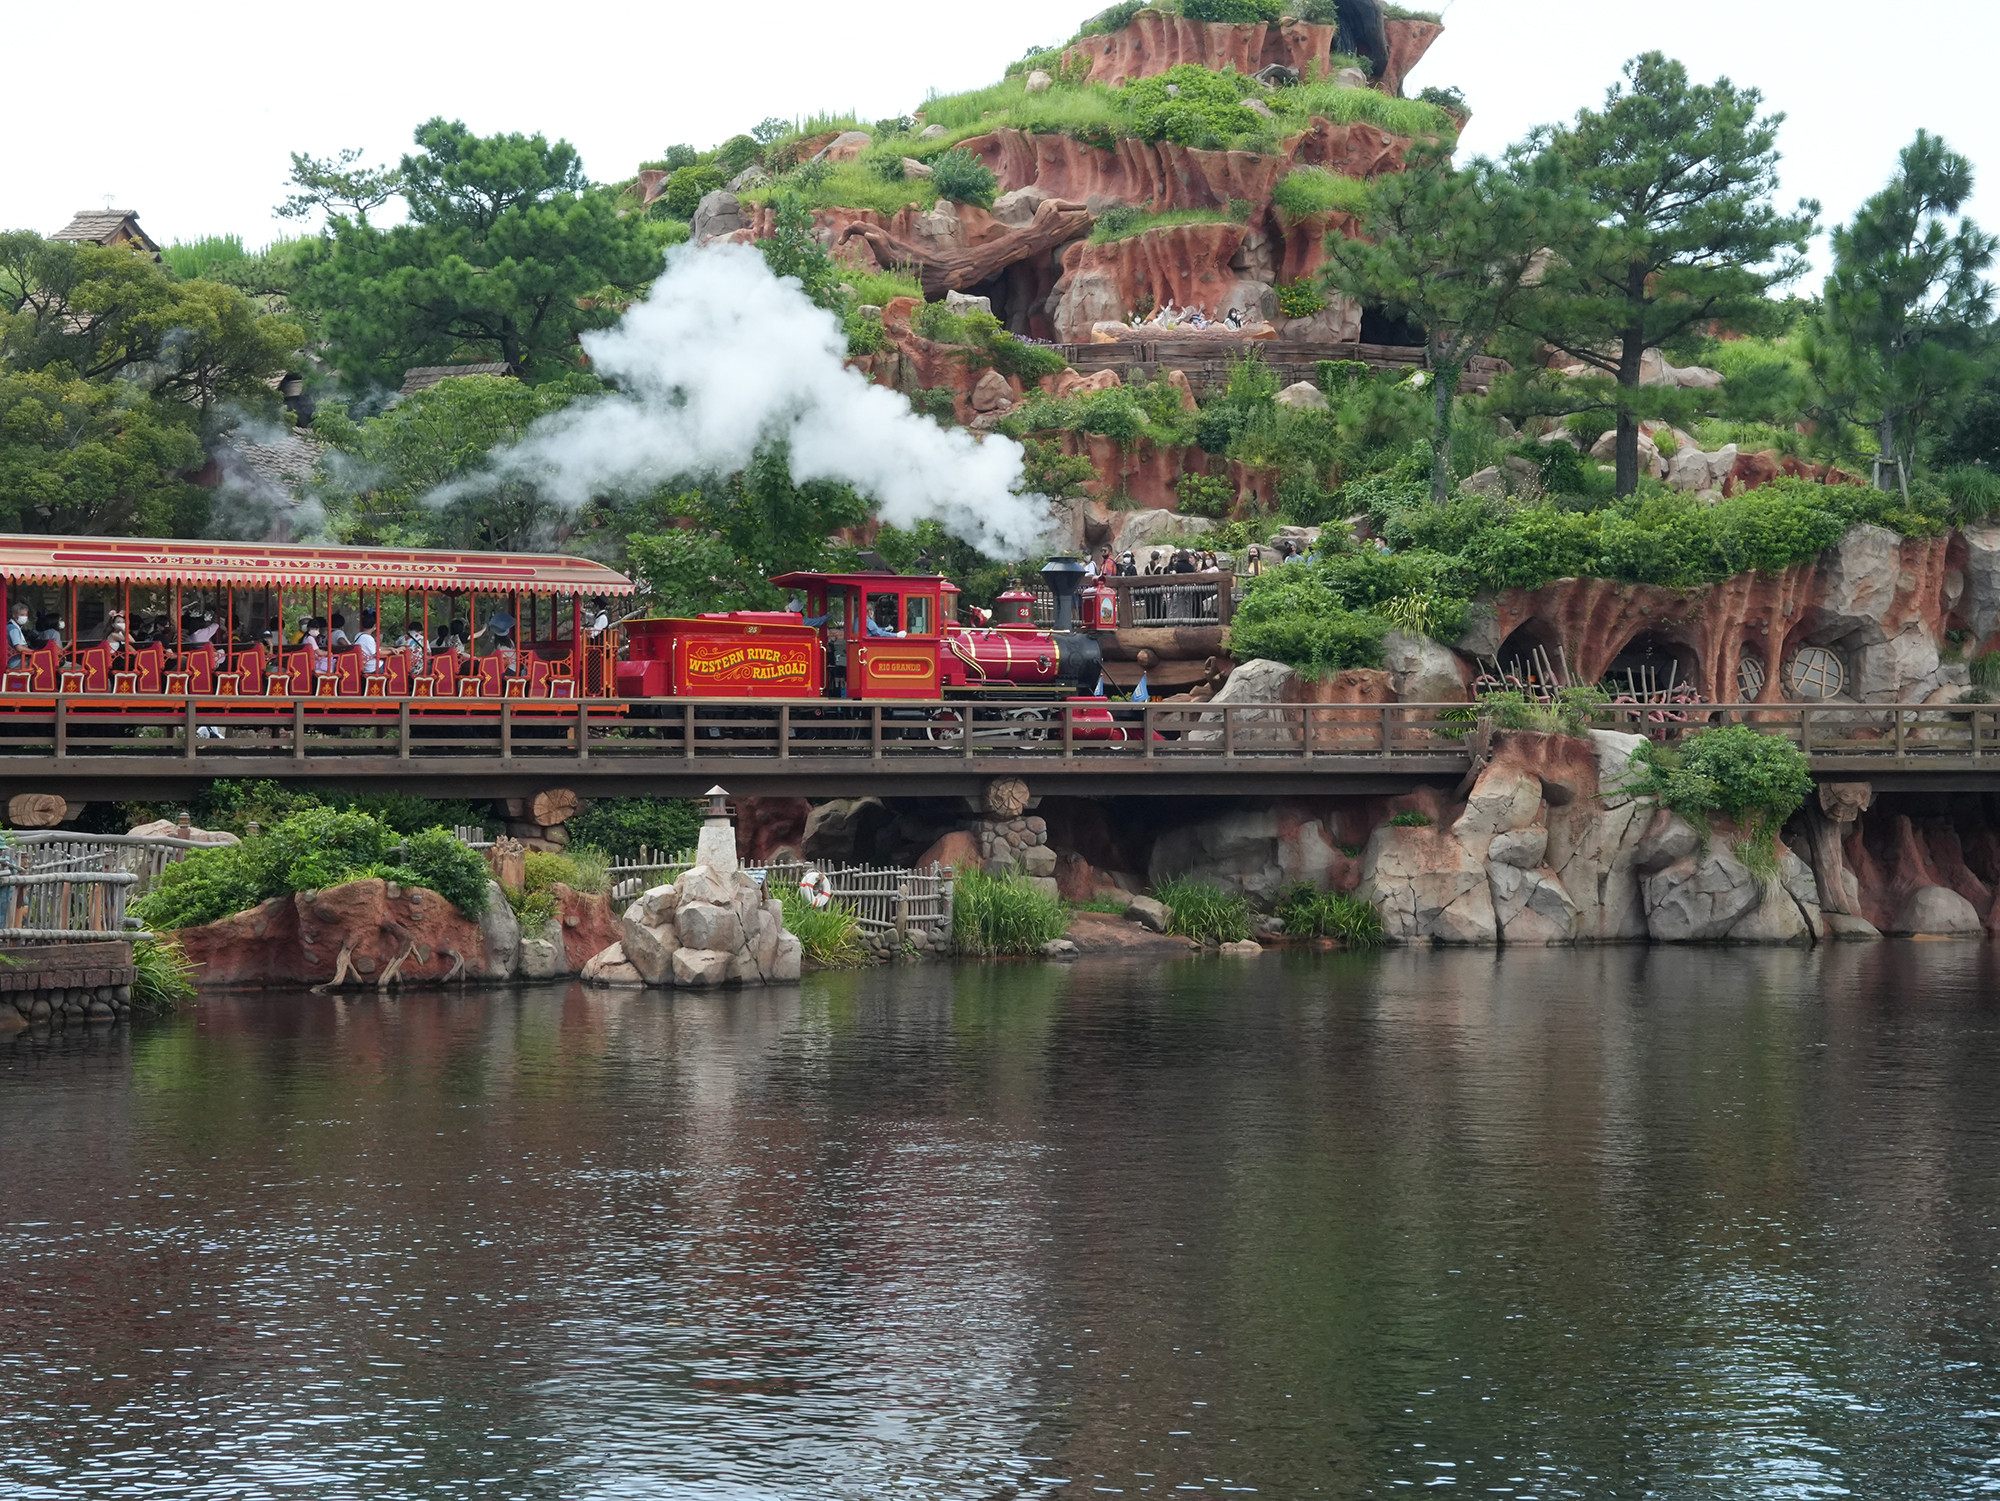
(1620,1222)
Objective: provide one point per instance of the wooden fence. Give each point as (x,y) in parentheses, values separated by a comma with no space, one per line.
(883,898)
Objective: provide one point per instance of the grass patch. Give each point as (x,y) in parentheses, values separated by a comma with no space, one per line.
(848,185)
(1104,904)
(1203,912)
(1003,915)
(1410,819)
(830,936)
(880,288)
(1114,225)
(164,978)
(1306,191)
(1309,913)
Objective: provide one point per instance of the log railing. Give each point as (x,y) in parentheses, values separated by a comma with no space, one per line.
(398,735)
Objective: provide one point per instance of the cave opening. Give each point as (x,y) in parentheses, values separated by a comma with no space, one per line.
(1378,327)
(1652,663)
(1531,656)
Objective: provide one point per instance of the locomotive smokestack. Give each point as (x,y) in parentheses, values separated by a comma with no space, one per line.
(1065,577)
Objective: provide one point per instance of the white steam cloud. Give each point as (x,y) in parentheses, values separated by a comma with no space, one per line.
(723,357)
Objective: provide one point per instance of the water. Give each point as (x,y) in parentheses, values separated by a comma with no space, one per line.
(1618,1223)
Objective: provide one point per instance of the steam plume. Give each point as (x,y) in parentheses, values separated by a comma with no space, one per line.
(722,357)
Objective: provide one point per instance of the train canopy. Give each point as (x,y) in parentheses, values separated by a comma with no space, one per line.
(247,565)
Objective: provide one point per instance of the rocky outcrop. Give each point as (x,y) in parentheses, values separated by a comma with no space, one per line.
(363,933)
(1547,849)
(1186,265)
(1155,41)
(711,927)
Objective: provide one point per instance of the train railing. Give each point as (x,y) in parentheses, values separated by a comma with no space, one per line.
(396,734)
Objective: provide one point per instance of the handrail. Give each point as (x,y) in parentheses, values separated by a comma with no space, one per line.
(193,730)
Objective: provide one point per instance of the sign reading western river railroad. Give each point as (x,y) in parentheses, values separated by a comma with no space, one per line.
(712,665)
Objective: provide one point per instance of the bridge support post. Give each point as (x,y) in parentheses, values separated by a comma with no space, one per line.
(298,729)
(403,730)
(583,732)
(62,728)
(188,729)
(506,730)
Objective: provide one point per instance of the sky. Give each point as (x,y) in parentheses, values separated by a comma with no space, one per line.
(188,113)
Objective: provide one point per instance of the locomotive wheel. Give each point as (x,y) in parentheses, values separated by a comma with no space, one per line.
(945,727)
(1029,726)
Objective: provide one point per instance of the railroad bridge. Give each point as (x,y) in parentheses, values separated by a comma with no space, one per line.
(89,749)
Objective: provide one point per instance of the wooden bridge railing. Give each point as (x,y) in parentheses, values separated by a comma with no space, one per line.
(389,738)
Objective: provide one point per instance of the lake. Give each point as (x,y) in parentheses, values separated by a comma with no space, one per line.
(1617,1222)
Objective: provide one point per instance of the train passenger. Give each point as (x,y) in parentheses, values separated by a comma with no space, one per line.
(366,644)
(880,627)
(17,635)
(596,620)
(413,643)
(337,637)
(50,629)
(322,658)
(500,626)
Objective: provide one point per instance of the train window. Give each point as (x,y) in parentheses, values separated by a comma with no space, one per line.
(917,616)
(882,614)
(836,614)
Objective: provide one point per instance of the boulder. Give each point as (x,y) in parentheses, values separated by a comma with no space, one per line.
(705,926)
(610,969)
(500,936)
(1901,669)
(789,961)
(1700,897)
(1505,798)
(1038,82)
(1937,912)
(834,827)
(962,303)
(1521,848)
(1304,396)
(957,850)
(1148,913)
(718,215)
(1614,751)
(1858,585)
(1668,838)
(1423,671)
(1241,948)
(542,953)
(1852,929)
(588,925)
(1530,905)
(913,168)
(697,969)
(1428,886)
(1277,76)
(164,828)
(991,393)
(1605,451)
(649,948)
(1259,107)
(1016,210)
(845,147)
(932,133)
(1038,860)
(1981,598)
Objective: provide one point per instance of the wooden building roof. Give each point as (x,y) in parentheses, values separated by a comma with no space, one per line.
(107,226)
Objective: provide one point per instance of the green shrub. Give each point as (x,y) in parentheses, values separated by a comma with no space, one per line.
(1450,100)
(1121,221)
(189,259)
(1003,915)
(1242,12)
(1571,712)
(1027,362)
(203,888)
(163,975)
(1410,819)
(736,153)
(625,825)
(1308,912)
(1207,109)
(1205,494)
(830,936)
(888,166)
(964,178)
(1985,670)
(1114,19)
(1299,299)
(865,335)
(454,871)
(1755,779)
(880,288)
(687,187)
(1204,912)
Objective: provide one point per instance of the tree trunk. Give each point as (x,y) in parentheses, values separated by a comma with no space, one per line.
(1444,379)
(556,806)
(1631,362)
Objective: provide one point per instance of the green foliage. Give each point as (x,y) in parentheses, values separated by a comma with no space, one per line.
(830,935)
(1680,179)
(880,288)
(163,976)
(1003,915)
(687,187)
(1454,250)
(578,867)
(1902,342)
(1243,12)
(188,259)
(964,178)
(454,871)
(794,250)
(1306,191)
(1330,615)
(1571,712)
(1206,109)
(856,184)
(1308,912)
(439,436)
(1985,670)
(504,241)
(234,804)
(1113,19)
(1299,299)
(1203,911)
(626,825)
(1756,780)
(1205,494)
(1410,819)
(310,851)
(1122,221)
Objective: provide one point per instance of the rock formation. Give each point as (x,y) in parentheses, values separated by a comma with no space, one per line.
(711,927)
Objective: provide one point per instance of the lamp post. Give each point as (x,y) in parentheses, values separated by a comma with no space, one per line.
(717,848)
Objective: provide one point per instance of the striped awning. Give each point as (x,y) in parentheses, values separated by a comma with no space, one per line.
(252,565)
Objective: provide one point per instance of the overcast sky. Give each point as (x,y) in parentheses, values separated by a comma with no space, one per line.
(187,113)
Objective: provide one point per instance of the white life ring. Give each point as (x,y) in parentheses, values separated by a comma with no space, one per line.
(816,888)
